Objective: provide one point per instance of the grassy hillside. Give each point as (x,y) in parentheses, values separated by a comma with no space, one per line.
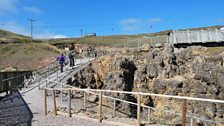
(27,56)
(115,39)
(9,37)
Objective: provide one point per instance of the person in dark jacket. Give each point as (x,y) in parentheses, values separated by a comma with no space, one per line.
(61,60)
(71,57)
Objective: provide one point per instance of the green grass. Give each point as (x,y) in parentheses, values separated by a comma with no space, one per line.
(215,50)
(26,56)
(99,40)
(9,37)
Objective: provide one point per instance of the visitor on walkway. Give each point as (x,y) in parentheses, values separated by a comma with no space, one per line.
(71,57)
(61,60)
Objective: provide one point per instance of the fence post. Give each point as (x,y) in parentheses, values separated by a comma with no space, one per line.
(149,112)
(114,107)
(45,101)
(100,106)
(192,121)
(84,105)
(184,112)
(55,108)
(138,110)
(69,103)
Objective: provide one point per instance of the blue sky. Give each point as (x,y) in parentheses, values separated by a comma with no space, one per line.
(65,18)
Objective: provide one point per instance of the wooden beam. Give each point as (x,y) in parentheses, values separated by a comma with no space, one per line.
(184,112)
(54,100)
(84,100)
(100,106)
(138,110)
(45,101)
(69,103)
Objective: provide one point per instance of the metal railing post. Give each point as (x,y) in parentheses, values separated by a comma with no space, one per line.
(184,112)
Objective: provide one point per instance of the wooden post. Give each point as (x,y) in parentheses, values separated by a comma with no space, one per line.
(149,112)
(100,106)
(69,103)
(192,121)
(184,112)
(45,101)
(138,110)
(84,104)
(55,108)
(114,107)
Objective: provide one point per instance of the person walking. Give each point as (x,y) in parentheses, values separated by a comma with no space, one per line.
(72,60)
(61,60)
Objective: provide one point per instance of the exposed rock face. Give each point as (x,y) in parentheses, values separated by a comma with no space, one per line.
(161,71)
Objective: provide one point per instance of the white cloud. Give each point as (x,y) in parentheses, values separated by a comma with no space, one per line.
(154,20)
(7,6)
(33,10)
(132,24)
(47,34)
(130,21)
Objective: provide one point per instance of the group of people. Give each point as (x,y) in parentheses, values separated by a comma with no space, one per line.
(61,60)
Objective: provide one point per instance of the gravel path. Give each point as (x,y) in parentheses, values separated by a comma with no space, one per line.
(59,120)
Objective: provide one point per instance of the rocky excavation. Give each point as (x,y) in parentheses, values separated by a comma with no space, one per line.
(160,69)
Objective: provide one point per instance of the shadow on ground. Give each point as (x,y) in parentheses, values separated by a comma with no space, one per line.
(15,111)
